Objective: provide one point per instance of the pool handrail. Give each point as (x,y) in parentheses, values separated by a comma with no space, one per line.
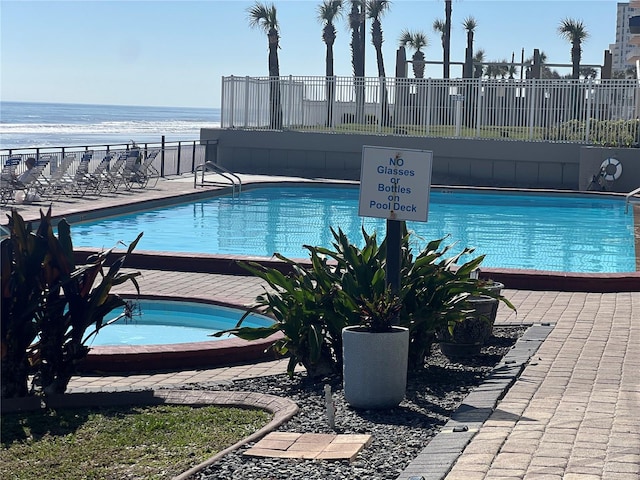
(628,198)
(223,172)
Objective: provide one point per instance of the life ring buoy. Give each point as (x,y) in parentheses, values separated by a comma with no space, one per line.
(611,169)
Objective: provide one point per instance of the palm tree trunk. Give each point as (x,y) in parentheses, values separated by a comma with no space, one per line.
(330,83)
(447,39)
(575,74)
(357,57)
(384,95)
(575,60)
(275,102)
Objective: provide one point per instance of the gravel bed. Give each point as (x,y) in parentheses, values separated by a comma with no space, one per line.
(399,434)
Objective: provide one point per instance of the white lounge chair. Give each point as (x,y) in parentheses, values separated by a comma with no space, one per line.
(59,180)
(31,182)
(100,179)
(115,171)
(130,166)
(8,178)
(146,172)
(80,182)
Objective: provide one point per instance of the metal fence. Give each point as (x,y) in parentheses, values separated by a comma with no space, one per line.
(174,158)
(585,111)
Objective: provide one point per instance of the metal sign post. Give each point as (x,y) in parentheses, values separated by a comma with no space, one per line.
(395,184)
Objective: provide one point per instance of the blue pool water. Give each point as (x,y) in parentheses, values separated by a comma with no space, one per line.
(159,322)
(568,233)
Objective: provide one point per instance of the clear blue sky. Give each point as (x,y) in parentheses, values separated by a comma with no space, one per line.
(174,53)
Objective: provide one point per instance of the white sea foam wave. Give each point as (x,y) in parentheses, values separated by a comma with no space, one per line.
(126,127)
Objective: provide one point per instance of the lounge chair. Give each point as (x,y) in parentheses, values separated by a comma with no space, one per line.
(115,172)
(130,166)
(100,178)
(140,173)
(31,182)
(59,180)
(146,172)
(80,182)
(8,178)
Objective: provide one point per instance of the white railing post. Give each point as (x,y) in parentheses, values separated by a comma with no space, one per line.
(588,113)
(427,116)
(232,103)
(458,99)
(289,102)
(532,108)
(246,101)
(381,100)
(479,102)
(222,102)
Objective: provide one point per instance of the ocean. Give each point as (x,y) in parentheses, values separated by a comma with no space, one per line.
(27,125)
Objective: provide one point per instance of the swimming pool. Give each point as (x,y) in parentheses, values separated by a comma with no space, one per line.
(163,322)
(565,233)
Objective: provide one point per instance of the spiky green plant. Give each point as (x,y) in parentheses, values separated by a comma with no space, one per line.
(49,303)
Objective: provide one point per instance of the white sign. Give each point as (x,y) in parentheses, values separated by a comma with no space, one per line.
(395,183)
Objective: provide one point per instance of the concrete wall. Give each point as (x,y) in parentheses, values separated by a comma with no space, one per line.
(591,159)
(456,161)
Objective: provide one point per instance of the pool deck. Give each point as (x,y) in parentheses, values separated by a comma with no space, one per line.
(571,414)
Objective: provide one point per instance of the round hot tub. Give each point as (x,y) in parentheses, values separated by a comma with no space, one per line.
(171,334)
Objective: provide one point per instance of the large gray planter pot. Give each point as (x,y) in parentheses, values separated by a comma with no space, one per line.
(374,367)
(470,334)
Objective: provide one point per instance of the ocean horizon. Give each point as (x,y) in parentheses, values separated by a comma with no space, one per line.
(46,125)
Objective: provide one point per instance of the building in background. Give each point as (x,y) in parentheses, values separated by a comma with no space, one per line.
(626,51)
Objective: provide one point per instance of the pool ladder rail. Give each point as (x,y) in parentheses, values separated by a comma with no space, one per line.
(230,177)
(628,198)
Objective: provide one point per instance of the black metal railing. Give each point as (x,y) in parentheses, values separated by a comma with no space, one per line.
(174,158)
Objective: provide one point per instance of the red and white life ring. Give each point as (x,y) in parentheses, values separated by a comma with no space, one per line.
(611,169)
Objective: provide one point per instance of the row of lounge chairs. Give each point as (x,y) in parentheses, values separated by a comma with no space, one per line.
(116,171)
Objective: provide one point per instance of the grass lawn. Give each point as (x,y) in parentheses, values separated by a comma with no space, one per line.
(150,442)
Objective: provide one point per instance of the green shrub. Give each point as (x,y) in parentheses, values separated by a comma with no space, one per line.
(315,302)
(49,303)
(608,133)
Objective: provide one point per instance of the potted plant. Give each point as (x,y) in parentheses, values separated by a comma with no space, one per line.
(344,286)
(433,287)
(375,354)
(476,315)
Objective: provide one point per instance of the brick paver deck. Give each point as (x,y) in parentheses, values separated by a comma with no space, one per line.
(572,414)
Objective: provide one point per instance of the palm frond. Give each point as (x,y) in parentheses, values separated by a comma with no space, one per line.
(469,24)
(329,10)
(573,30)
(263,16)
(377,8)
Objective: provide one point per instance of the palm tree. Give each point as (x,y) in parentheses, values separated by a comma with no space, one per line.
(356,24)
(497,69)
(588,72)
(417,41)
(264,17)
(575,32)
(328,10)
(375,10)
(439,27)
(629,73)
(478,67)
(447,38)
(469,25)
